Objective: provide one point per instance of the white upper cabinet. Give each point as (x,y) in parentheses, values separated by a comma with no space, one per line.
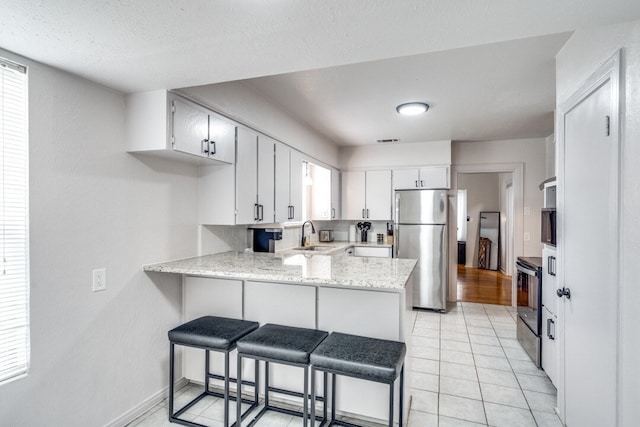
(288,185)
(266,179)
(335,194)
(247,177)
(163,122)
(367,195)
(320,192)
(427,177)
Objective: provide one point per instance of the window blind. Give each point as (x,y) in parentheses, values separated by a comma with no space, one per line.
(14,249)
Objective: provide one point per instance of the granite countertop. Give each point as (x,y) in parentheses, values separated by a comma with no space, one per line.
(327,248)
(390,274)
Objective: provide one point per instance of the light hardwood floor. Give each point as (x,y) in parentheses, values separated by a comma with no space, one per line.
(483,286)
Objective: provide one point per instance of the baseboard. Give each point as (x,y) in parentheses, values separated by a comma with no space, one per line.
(145,405)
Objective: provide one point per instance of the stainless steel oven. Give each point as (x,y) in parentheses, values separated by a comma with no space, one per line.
(529,298)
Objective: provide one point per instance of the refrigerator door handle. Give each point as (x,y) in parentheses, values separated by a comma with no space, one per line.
(396,242)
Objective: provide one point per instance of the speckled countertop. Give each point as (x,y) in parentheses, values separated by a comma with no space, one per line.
(389,274)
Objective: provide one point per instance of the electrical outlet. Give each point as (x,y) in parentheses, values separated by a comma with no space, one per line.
(99,279)
(527,236)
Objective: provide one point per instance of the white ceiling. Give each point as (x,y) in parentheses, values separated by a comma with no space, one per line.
(149,44)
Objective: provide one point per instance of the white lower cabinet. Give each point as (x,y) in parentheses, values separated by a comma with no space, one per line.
(372,252)
(210,297)
(549,345)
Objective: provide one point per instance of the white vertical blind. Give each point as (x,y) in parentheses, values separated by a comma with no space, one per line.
(14,237)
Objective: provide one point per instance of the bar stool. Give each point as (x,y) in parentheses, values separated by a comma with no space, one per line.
(359,357)
(284,345)
(210,333)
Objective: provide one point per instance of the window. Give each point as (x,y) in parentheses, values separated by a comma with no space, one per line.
(14,236)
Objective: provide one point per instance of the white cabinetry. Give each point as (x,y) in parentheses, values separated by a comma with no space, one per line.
(335,194)
(366,195)
(372,252)
(254,178)
(288,184)
(549,314)
(162,122)
(428,177)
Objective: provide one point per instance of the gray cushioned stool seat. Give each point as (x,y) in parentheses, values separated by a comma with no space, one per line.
(213,332)
(361,357)
(283,343)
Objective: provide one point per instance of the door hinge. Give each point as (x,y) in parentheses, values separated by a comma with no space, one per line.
(608,125)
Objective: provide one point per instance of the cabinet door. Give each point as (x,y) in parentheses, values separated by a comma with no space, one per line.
(283,183)
(378,195)
(353,195)
(434,177)
(222,138)
(295,184)
(335,194)
(372,252)
(247,177)
(405,179)
(549,266)
(549,345)
(266,179)
(190,129)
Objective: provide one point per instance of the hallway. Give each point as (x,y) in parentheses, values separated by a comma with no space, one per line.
(483,286)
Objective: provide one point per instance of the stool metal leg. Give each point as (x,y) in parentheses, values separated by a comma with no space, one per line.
(206,371)
(324,402)
(391,389)
(305,390)
(333,398)
(226,390)
(313,395)
(171,378)
(239,392)
(401,394)
(266,384)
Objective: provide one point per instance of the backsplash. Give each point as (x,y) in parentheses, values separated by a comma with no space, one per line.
(216,239)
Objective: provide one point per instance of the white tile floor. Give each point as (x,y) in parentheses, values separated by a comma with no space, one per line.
(464,368)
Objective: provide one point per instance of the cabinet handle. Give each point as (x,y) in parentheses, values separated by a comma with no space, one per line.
(421,183)
(289,212)
(551,324)
(255,212)
(416,183)
(367,213)
(333,213)
(551,265)
(205,146)
(212,148)
(292,212)
(363,214)
(261,211)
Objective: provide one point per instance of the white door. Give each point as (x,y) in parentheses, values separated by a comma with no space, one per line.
(406,179)
(335,194)
(282,183)
(588,253)
(295,184)
(266,179)
(378,199)
(190,129)
(246,176)
(353,195)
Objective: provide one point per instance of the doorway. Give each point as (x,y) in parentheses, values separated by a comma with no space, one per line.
(496,188)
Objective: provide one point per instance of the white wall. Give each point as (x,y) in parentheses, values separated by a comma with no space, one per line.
(96,355)
(396,155)
(482,195)
(585,51)
(530,152)
(236,100)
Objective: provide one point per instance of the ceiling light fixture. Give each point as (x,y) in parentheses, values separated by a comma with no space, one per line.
(412,108)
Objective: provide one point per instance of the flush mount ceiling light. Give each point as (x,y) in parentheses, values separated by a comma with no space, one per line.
(412,108)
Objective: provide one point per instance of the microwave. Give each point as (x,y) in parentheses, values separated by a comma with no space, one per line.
(548,226)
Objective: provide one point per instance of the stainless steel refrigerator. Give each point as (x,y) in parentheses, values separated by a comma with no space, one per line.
(421,233)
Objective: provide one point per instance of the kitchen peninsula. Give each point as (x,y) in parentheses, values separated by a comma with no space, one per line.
(336,293)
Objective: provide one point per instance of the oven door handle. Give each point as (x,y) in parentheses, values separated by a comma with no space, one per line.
(526,270)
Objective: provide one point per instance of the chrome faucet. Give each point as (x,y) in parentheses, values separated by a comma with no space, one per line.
(303,240)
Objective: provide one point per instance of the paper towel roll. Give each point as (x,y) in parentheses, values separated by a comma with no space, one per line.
(352,233)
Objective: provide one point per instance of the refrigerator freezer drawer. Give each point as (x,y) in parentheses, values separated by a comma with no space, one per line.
(427,244)
(529,341)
